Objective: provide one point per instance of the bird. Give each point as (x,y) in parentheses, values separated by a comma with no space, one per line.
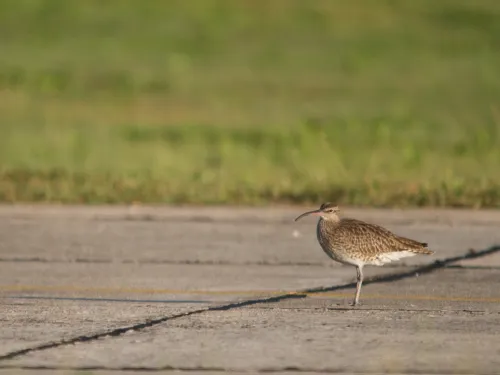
(358,243)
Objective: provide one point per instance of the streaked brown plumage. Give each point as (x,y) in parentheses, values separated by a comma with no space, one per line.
(357,243)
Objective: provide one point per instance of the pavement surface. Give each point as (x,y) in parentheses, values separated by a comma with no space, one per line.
(106,290)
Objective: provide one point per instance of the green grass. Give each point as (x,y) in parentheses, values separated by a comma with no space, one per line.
(387,103)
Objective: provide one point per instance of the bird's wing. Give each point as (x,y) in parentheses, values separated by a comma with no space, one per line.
(372,238)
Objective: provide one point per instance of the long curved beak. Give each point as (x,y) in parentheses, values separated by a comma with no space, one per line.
(313,212)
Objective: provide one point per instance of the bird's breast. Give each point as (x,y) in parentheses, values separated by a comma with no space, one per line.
(326,239)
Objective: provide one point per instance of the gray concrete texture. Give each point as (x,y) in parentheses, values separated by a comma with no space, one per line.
(210,289)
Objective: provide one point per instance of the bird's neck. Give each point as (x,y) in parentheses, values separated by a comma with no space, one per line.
(328,224)
(331,220)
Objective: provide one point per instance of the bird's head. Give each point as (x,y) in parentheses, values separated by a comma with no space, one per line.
(327,211)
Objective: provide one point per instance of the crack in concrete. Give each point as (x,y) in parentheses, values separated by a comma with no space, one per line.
(327,264)
(264,370)
(472,267)
(428,268)
(467,312)
(164,261)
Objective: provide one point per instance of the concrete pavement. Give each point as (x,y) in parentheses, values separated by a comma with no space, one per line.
(241,290)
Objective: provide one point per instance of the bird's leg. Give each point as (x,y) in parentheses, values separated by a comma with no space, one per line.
(359,272)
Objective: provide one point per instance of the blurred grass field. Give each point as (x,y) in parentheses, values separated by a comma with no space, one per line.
(368,102)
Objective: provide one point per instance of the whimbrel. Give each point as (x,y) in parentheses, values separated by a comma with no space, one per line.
(357,243)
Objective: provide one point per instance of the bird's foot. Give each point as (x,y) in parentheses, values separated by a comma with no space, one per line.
(354,304)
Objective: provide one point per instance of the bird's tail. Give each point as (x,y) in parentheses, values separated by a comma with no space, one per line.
(415,246)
